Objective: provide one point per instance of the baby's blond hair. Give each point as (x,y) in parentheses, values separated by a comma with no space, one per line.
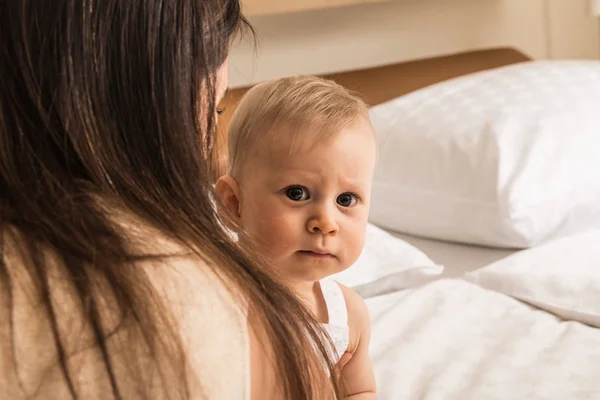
(297,103)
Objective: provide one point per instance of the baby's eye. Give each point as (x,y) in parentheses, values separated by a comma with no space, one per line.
(346,200)
(297,193)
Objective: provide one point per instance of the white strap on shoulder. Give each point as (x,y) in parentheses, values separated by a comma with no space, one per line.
(336,304)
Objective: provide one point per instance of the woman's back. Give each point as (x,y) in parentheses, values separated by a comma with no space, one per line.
(106,106)
(205,316)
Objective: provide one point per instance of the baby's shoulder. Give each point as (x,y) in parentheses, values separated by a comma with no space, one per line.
(359,320)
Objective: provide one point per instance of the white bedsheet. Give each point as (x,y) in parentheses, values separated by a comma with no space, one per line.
(457,258)
(452,340)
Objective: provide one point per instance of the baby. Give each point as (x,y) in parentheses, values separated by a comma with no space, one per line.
(301,160)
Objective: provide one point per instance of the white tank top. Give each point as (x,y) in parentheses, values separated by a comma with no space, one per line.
(337,327)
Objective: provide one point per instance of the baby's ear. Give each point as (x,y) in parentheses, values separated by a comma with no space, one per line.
(228,193)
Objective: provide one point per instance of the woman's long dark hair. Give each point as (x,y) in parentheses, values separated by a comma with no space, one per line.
(115,100)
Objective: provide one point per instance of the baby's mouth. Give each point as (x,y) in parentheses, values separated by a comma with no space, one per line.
(317,253)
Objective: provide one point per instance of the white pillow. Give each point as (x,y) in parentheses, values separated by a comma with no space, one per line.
(505,158)
(387,264)
(562,277)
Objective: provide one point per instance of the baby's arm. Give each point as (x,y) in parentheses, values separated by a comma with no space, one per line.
(357,374)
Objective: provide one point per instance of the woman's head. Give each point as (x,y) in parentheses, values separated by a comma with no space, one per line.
(84,80)
(117,100)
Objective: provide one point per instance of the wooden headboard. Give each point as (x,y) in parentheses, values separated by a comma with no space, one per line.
(380,84)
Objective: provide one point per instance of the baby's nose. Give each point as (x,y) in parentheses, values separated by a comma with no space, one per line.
(323,224)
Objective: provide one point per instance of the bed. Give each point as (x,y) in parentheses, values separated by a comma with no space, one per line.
(498,307)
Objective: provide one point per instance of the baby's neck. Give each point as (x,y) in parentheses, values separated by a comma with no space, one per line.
(311,295)
(304,289)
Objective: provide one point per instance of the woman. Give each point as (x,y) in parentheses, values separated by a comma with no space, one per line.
(116,280)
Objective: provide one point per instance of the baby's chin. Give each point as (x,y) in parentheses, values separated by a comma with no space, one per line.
(310,268)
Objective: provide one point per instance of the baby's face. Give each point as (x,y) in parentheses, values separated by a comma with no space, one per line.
(308,210)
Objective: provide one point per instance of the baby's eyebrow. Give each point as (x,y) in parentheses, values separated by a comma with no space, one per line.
(295,172)
(354,182)
(287,178)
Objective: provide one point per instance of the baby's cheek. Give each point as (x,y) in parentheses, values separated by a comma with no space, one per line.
(276,236)
(355,246)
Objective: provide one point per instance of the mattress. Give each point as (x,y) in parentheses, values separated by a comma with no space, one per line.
(457,258)
(453,340)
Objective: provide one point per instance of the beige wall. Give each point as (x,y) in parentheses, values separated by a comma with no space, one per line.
(375,34)
(573,32)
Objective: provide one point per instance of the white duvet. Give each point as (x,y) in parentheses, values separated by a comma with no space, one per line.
(453,340)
